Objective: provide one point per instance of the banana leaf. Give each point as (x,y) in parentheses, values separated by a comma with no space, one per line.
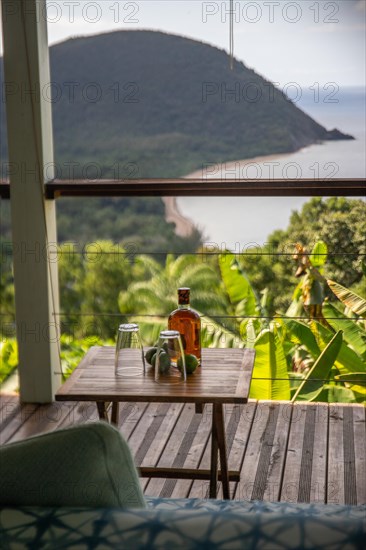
(296,308)
(8,358)
(353,334)
(296,379)
(352,300)
(270,377)
(247,332)
(237,286)
(215,335)
(348,361)
(335,394)
(301,334)
(318,255)
(313,383)
(357,384)
(355,378)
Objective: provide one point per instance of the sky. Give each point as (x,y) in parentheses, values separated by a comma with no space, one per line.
(308,42)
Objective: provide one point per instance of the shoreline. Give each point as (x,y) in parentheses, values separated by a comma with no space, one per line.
(229,165)
(184,227)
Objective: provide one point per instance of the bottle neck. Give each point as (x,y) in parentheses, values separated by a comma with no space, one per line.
(184,306)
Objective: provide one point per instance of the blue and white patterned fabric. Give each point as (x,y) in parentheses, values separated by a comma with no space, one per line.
(256,506)
(186,524)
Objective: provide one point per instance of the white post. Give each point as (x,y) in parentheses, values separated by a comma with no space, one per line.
(29,120)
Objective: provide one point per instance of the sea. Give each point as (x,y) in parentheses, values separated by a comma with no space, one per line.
(237,223)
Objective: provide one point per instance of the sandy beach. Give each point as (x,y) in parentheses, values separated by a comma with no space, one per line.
(225,169)
(184,226)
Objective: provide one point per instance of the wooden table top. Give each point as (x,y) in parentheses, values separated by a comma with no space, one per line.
(224,377)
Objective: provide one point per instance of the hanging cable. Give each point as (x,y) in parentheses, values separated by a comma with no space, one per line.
(231,34)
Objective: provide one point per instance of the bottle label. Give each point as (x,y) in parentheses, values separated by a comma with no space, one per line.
(183,296)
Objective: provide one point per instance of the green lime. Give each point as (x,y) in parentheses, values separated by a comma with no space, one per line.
(164,346)
(191,363)
(149,354)
(164,363)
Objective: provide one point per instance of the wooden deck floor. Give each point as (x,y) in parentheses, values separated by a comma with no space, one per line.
(294,453)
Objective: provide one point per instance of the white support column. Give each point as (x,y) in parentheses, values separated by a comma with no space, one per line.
(29,119)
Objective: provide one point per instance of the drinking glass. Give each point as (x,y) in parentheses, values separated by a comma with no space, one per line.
(129,356)
(170,365)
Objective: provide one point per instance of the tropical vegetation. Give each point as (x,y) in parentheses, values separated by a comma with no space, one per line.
(309,330)
(314,351)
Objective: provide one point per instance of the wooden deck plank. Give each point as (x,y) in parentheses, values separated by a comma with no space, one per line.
(317,451)
(359,426)
(237,431)
(335,482)
(274,469)
(291,475)
(305,469)
(261,420)
(146,432)
(175,451)
(14,419)
(319,457)
(200,488)
(199,441)
(306,463)
(45,418)
(350,485)
(265,456)
(130,416)
(83,412)
(8,405)
(7,398)
(163,434)
(240,443)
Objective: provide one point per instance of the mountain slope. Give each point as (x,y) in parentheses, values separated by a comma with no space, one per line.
(161,106)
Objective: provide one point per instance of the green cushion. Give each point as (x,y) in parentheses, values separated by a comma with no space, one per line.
(86,465)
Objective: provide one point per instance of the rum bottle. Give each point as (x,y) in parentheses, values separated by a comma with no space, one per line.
(188,322)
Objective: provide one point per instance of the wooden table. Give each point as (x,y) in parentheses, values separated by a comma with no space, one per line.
(223,378)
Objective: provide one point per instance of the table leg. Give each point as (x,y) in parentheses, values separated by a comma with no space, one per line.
(115,413)
(221,440)
(102,410)
(214,452)
(103,407)
(218,444)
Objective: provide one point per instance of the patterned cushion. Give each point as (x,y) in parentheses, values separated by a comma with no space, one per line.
(86,465)
(256,506)
(193,529)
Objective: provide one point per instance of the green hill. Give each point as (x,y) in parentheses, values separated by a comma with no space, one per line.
(164,103)
(147,104)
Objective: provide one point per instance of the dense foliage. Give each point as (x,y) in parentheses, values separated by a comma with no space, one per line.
(315,351)
(340,222)
(138,223)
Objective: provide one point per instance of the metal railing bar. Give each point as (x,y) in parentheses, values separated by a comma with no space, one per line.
(7,252)
(213,316)
(198,187)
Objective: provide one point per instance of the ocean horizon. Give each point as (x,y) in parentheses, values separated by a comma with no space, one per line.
(240,222)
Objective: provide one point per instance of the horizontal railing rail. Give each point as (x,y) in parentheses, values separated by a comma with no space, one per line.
(199,188)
